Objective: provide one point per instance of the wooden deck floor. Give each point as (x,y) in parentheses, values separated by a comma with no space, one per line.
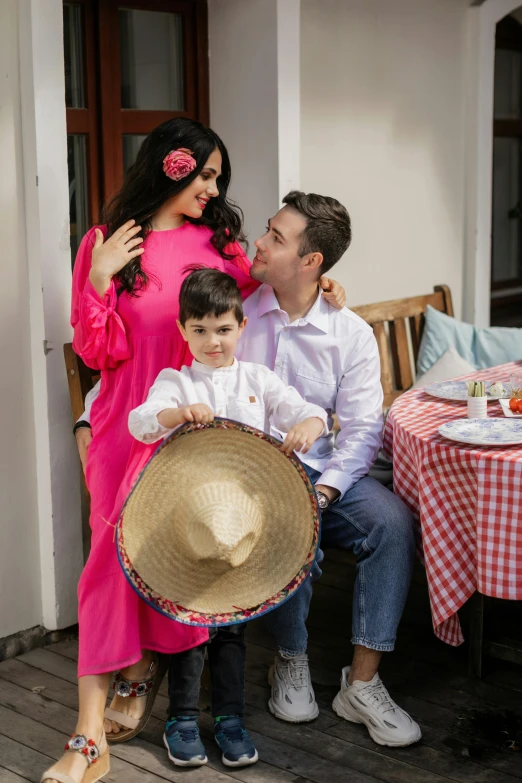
(465,722)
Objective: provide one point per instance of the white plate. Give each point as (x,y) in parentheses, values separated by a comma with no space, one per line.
(484,432)
(508,412)
(458,391)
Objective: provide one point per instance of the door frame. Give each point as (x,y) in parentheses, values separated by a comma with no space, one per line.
(479,92)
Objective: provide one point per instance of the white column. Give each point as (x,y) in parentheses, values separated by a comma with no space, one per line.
(254,100)
(47,220)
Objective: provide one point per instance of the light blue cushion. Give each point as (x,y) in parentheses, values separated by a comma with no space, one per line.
(440,333)
(497,345)
(482,348)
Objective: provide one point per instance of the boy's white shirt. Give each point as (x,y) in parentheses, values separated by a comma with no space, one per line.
(246,392)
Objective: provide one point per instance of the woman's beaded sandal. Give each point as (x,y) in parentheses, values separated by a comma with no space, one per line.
(136,689)
(98,764)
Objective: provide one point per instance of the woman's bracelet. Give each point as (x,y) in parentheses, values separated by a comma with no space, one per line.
(79,425)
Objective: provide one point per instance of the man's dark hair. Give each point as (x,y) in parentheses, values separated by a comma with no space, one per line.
(328,226)
(209,292)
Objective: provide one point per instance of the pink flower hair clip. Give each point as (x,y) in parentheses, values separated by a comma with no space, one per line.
(178,164)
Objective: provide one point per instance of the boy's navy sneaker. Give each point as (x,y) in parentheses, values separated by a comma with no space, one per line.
(232,737)
(183,742)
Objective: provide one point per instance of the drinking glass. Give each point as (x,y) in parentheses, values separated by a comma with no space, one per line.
(516,385)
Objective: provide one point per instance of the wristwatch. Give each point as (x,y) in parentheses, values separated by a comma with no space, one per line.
(322,500)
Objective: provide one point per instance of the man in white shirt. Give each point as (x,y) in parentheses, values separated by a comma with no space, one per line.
(331,358)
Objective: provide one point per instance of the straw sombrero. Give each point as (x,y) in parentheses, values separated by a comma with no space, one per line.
(220,527)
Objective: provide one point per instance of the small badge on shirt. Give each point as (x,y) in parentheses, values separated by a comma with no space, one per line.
(252,399)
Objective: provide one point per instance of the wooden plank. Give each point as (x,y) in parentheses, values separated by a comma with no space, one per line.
(348,755)
(141,753)
(46,660)
(384,353)
(505,650)
(44,740)
(441,738)
(6,776)
(448,302)
(80,379)
(59,715)
(422,757)
(400,354)
(431,736)
(38,681)
(22,761)
(401,308)
(416,329)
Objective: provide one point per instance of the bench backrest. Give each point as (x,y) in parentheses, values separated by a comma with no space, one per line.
(398,326)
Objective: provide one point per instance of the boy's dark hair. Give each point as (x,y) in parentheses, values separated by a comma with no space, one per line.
(209,292)
(328,226)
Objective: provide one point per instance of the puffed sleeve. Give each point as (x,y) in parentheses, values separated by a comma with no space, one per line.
(238,267)
(99,333)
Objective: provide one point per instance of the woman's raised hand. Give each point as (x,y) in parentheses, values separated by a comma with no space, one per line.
(109,257)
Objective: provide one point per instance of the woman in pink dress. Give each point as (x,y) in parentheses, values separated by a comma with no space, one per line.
(172,211)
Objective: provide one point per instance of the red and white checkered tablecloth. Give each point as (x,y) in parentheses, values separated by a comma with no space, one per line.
(467,499)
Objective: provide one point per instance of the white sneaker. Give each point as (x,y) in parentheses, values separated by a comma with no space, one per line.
(293,697)
(371,704)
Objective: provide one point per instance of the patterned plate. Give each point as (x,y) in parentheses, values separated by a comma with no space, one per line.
(484,432)
(457,390)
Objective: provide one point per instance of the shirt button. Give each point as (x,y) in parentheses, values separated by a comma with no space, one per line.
(279,363)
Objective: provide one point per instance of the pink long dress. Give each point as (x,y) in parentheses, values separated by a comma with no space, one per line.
(130,339)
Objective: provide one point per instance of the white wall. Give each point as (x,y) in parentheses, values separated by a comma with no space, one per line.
(48,242)
(382,130)
(20,604)
(254,100)
(40,526)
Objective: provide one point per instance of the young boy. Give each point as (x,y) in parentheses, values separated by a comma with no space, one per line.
(211,321)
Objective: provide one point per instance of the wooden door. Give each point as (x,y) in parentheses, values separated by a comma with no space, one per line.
(129,65)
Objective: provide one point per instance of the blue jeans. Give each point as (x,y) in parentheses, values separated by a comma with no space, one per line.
(377,526)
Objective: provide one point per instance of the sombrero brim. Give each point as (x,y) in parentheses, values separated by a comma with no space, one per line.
(152,575)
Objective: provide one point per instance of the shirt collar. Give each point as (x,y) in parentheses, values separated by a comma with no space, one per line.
(316,316)
(206,370)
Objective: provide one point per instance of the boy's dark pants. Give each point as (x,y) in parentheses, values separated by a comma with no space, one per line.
(226,657)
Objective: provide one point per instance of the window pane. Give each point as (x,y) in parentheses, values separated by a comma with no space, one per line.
(507,209)
(73,55)
(131,145)
(78,193)
(151,60)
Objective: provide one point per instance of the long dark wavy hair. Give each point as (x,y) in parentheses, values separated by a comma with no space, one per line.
(146,188)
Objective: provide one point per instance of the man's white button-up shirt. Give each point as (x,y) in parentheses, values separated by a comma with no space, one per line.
(331,357)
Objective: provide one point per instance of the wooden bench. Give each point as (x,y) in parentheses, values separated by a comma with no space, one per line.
(398,326)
